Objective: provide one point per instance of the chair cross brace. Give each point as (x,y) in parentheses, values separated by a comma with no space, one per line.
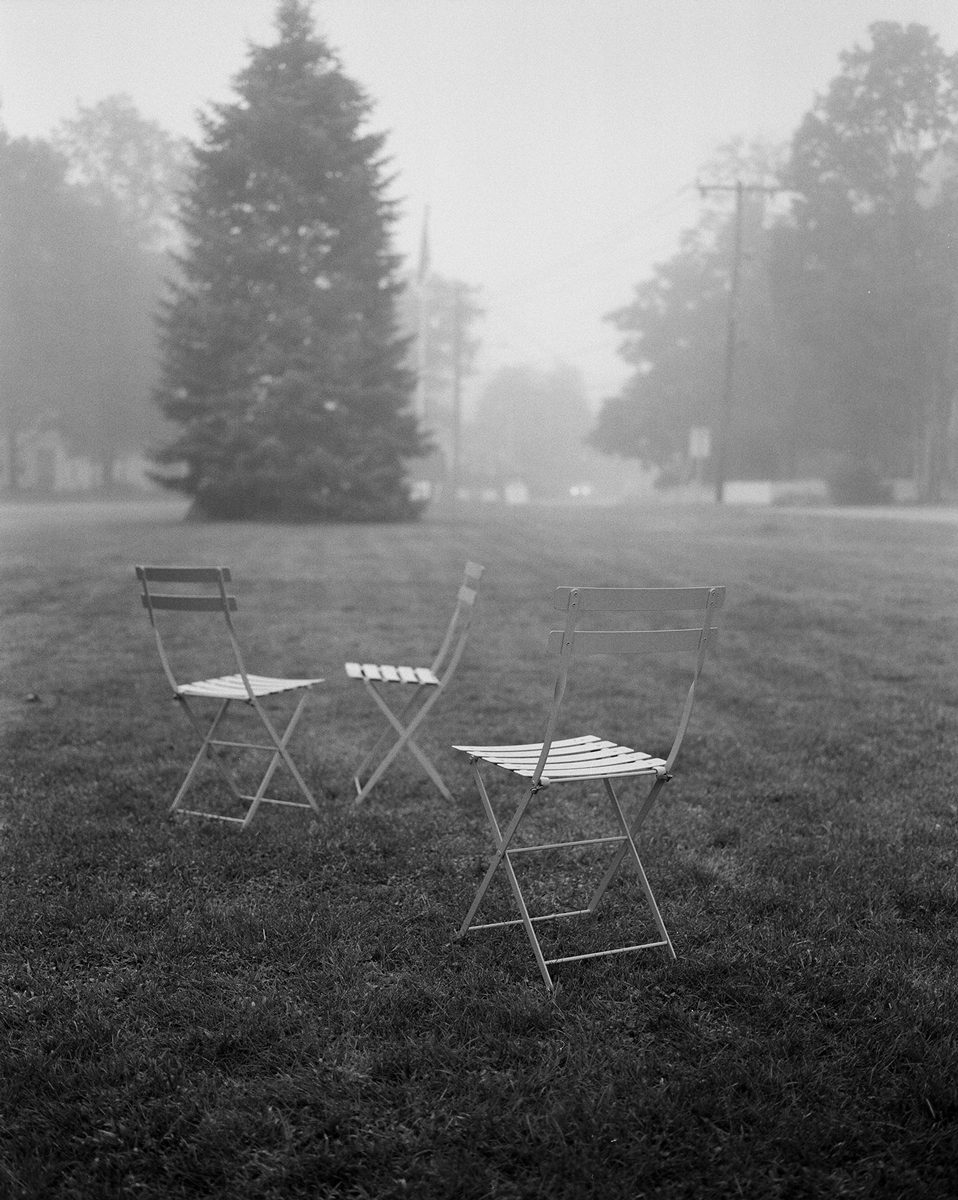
(403,720)
(502,859)
(612,616)
(405,739)
(277,749)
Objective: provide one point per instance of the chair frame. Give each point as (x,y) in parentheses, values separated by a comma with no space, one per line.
(591,759)
(429,683)
(243,687)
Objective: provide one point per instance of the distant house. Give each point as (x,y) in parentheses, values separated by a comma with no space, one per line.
(45,466)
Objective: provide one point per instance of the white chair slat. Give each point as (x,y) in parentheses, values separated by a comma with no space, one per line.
(532,747)
(407,675)
(426,676)
(354,670)
(625,761)
(226,688)
(371,671)
(389,673)
(601,754)
(232,687)
(648,766)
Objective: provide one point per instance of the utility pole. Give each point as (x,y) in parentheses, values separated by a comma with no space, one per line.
(731,329)
(457,347)
(422,318)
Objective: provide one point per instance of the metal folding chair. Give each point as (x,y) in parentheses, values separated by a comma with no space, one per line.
(424,684)
(203,590)
(592,759)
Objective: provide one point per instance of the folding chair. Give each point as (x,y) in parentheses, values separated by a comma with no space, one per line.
(203,590)
(589,758)
(427,684)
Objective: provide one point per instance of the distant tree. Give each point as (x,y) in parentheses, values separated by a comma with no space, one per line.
(281,359)
(873,271)
(76,308)
(34,204)
(128,163)
(529,427)
(675,340)
(112,288)
(440,315)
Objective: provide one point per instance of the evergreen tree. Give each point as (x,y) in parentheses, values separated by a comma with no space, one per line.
(282,363)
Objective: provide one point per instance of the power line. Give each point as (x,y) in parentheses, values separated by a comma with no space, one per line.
(635,225)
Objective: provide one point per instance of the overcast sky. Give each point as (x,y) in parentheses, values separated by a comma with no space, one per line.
(556,142)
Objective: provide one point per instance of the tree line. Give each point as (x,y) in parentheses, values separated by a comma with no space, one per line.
(845,363)
(237,306)
(83,230)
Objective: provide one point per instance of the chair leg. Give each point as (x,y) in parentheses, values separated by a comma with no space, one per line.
(207,749)
(281,754)
(501,859)
(527,923)
(501,842)
(364,788)
(401,716)
(628,848)
(405,740)
(369,757)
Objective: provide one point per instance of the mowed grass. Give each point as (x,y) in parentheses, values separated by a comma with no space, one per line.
(192,1011)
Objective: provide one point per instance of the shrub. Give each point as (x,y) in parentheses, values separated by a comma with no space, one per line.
(854,481)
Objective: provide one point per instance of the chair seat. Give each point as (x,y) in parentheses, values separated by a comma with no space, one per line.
(384,673)
(587,757)
(232,687)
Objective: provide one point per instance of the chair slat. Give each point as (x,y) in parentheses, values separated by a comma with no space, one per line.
(189,603)
(627,641)
(578,750)
(532,747)
(183,574)
(593,599)
(600,762)
(371,671)
(354,670)
(232,686)
(389,673)
(407,675)
(644,766)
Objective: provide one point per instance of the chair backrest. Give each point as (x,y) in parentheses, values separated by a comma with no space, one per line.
(610,608)
(189,590)
(454,642)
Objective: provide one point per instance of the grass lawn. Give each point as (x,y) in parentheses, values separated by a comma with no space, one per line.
(192,1011)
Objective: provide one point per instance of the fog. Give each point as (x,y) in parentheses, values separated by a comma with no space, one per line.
(556,143)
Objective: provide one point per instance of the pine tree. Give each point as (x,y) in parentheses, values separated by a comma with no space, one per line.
(281,357)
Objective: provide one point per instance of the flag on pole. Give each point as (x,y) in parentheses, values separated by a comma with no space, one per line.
(424,247)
